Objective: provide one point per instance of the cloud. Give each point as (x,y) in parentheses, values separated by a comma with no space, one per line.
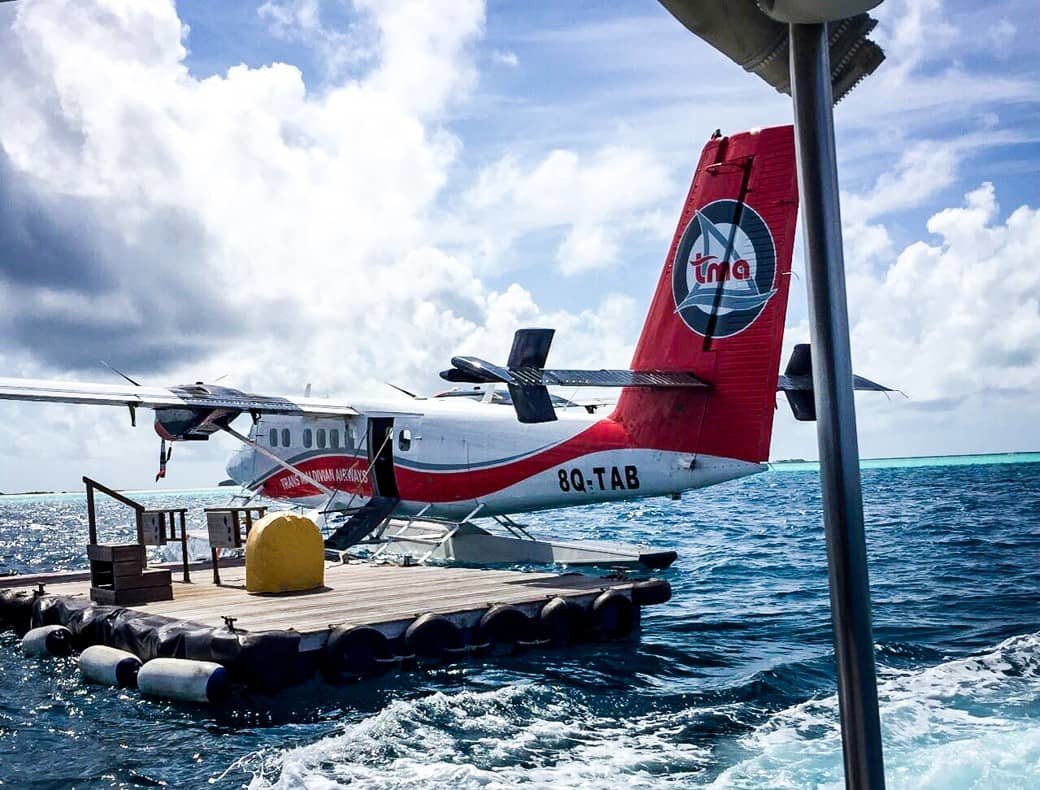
(346,232)
(957,317)
(922,170)
(244,224)
(504,58)
(952,318)
(292,18)
(1000,35)
(201,206)
(596,200)
(66,291)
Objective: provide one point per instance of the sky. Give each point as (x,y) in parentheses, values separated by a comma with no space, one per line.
(348,193)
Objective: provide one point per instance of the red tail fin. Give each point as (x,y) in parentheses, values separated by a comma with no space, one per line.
(720,305)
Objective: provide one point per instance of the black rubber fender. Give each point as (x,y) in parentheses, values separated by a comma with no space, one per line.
(271,660)
(22,615)
(434,636)
(45,611)
(223,645)
(147,636)
(613,615)
(504,626)
(77,614)
(562,622)
(351,653)
(651,592)
(104,624)
(16,610)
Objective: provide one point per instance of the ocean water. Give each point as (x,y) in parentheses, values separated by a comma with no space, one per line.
(730,685)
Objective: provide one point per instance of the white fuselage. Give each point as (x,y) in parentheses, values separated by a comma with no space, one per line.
(455,455)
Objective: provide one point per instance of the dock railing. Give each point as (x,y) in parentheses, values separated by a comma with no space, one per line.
(154,527)
(228,528)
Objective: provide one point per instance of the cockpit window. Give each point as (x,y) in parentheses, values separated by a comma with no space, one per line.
(272,437)
(286,438)
(308,438)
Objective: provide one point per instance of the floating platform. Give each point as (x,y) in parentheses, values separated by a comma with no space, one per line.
(367,618)
(469,543)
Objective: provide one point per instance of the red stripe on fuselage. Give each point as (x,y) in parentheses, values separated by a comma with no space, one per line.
(344,473)
(338,472)
(430,486)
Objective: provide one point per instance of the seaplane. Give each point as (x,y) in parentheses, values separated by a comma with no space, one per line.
(442,478)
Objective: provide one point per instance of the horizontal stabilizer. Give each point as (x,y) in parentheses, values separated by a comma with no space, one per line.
(527,379)
(797,384)
(477,371)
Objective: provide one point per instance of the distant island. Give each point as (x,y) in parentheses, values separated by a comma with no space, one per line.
(1018,457)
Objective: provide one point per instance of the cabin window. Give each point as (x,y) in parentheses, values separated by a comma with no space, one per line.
(321,438)
(308,437)
(272,437)
(333,437)
(286,438)
(350,437)
(404,440)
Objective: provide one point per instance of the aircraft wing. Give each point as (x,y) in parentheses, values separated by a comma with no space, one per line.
(191,396)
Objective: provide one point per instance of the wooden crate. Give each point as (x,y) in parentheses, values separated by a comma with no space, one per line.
(118,575)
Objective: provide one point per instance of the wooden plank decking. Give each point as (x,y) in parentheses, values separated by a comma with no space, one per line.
(356,594)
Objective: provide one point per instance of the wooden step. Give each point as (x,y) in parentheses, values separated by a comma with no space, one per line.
(140,581)
(116,552)
(107,595)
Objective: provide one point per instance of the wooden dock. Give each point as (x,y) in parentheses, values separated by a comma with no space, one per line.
(431,610)
(196,628)
(386,596)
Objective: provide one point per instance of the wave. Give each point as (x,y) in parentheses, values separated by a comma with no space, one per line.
(528,735)
(968,723)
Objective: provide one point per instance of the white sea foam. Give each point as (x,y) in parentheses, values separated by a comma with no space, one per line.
(966,723)
(495,739)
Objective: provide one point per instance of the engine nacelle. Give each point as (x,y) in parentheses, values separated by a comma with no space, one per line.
(191,425)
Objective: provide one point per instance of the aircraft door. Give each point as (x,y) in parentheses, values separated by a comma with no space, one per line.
(381,456)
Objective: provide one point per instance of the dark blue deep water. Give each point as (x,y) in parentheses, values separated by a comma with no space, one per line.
(730,685)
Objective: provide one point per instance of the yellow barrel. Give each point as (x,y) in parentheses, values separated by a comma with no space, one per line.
(284,553)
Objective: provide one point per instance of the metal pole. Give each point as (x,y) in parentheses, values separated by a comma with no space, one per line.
(835,408)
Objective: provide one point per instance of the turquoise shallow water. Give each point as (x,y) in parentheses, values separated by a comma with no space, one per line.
(730,685)
(918,461)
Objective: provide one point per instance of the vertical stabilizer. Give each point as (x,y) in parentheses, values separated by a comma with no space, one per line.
(721,302)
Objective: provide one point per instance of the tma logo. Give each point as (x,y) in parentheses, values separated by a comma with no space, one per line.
(725,266)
